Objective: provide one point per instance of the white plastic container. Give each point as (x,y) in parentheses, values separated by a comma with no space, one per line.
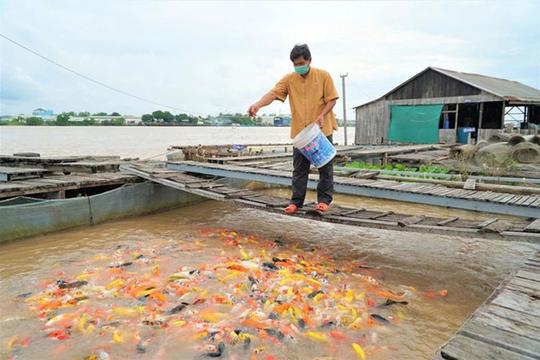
(314,146)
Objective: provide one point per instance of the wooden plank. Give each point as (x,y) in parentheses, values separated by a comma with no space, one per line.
(447,221)
(518,302)
(411,220)
(481,328)
(528,275)
(515,316)
(353,211)
(386,213)
(486,223)
(462,347)
(470,184)
(534,226)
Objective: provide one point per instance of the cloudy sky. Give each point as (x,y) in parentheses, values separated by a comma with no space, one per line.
(211,57)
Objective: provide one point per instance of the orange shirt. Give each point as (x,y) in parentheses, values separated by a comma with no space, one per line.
(308,96)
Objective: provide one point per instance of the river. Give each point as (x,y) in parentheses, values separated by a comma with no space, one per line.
(134,141)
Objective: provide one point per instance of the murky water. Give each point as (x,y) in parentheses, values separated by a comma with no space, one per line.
(419,265)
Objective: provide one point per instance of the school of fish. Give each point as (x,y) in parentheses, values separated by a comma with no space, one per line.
(254,298)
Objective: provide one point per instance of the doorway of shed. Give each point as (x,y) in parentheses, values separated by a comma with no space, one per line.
(467,124)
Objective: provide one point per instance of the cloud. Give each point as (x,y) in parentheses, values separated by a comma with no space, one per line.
(211,57)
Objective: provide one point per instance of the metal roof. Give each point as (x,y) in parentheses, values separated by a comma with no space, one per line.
(512,91)
(507,89)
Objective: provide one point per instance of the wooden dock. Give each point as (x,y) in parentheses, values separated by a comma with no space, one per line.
(507,325)
(491,228)
(424,193)
(55,185)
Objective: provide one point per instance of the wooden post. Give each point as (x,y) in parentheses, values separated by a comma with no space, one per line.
(455,123)
(480,117)
(503,112)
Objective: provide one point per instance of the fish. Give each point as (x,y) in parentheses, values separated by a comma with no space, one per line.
(220,348)
(268,266)
(317,336)
(276,333)
(393,302)
(315,293)
(125,264)
(24,295)
(62,284)
(379,318)
(360,354)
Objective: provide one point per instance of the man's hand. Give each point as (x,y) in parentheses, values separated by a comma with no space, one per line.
(320,121)
(252,111)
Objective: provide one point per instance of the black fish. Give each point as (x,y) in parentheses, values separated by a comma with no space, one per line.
(24,295)
(273,316)
(315,293)
(178,308)
(301,323)
(122,265)
(219,350)
(379,318)
(139,257)
(268,266)
(247,342)
(62,284)
(277,333)
(276,259)
(392,302)
(279,242)
(328,324)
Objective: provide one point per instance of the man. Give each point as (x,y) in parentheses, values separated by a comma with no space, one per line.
(312,96)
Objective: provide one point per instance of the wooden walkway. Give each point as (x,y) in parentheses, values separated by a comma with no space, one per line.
(425,193)
(61,183)
(507,325)
(490,228)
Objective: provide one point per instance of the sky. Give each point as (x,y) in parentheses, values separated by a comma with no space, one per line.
(210,57)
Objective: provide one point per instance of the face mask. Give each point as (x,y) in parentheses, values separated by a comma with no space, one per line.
(302,70)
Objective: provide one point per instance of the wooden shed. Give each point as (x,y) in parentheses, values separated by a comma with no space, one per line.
(445,106)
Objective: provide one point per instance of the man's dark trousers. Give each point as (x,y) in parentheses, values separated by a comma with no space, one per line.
(325,188)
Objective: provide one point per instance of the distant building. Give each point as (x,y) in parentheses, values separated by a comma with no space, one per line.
(42,112)
(282,120)
(445,106)
(130,119)
(267,120)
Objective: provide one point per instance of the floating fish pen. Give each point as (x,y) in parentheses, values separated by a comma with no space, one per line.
(257,295)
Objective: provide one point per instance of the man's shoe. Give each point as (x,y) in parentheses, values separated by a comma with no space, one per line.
(322,207)
(291,209)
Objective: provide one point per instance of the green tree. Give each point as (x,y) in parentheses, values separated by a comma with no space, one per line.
(147,118)
(84,114)
(62,119)
(115,114)
(34,120)
(100,114)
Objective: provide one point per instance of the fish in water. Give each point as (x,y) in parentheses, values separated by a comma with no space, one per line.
(122,264)
(62,284)
(393,302)
(24,295)
(315,293)
(218,352)
(268,266)
(178,308)
(379,318)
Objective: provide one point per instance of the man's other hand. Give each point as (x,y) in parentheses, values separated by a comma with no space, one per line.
(320,121)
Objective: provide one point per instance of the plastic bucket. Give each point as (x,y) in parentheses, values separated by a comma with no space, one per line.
(314,146)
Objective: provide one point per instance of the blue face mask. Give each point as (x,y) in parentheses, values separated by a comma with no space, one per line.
(302,70)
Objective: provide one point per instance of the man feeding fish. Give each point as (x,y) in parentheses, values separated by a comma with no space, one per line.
(312,96)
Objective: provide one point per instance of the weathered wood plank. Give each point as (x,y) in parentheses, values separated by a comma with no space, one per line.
(534,226)
(464,348)
(518,302)
(411,220)
(482,329)
(447,221)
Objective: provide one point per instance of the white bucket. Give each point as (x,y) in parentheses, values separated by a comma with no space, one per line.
(314,146)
